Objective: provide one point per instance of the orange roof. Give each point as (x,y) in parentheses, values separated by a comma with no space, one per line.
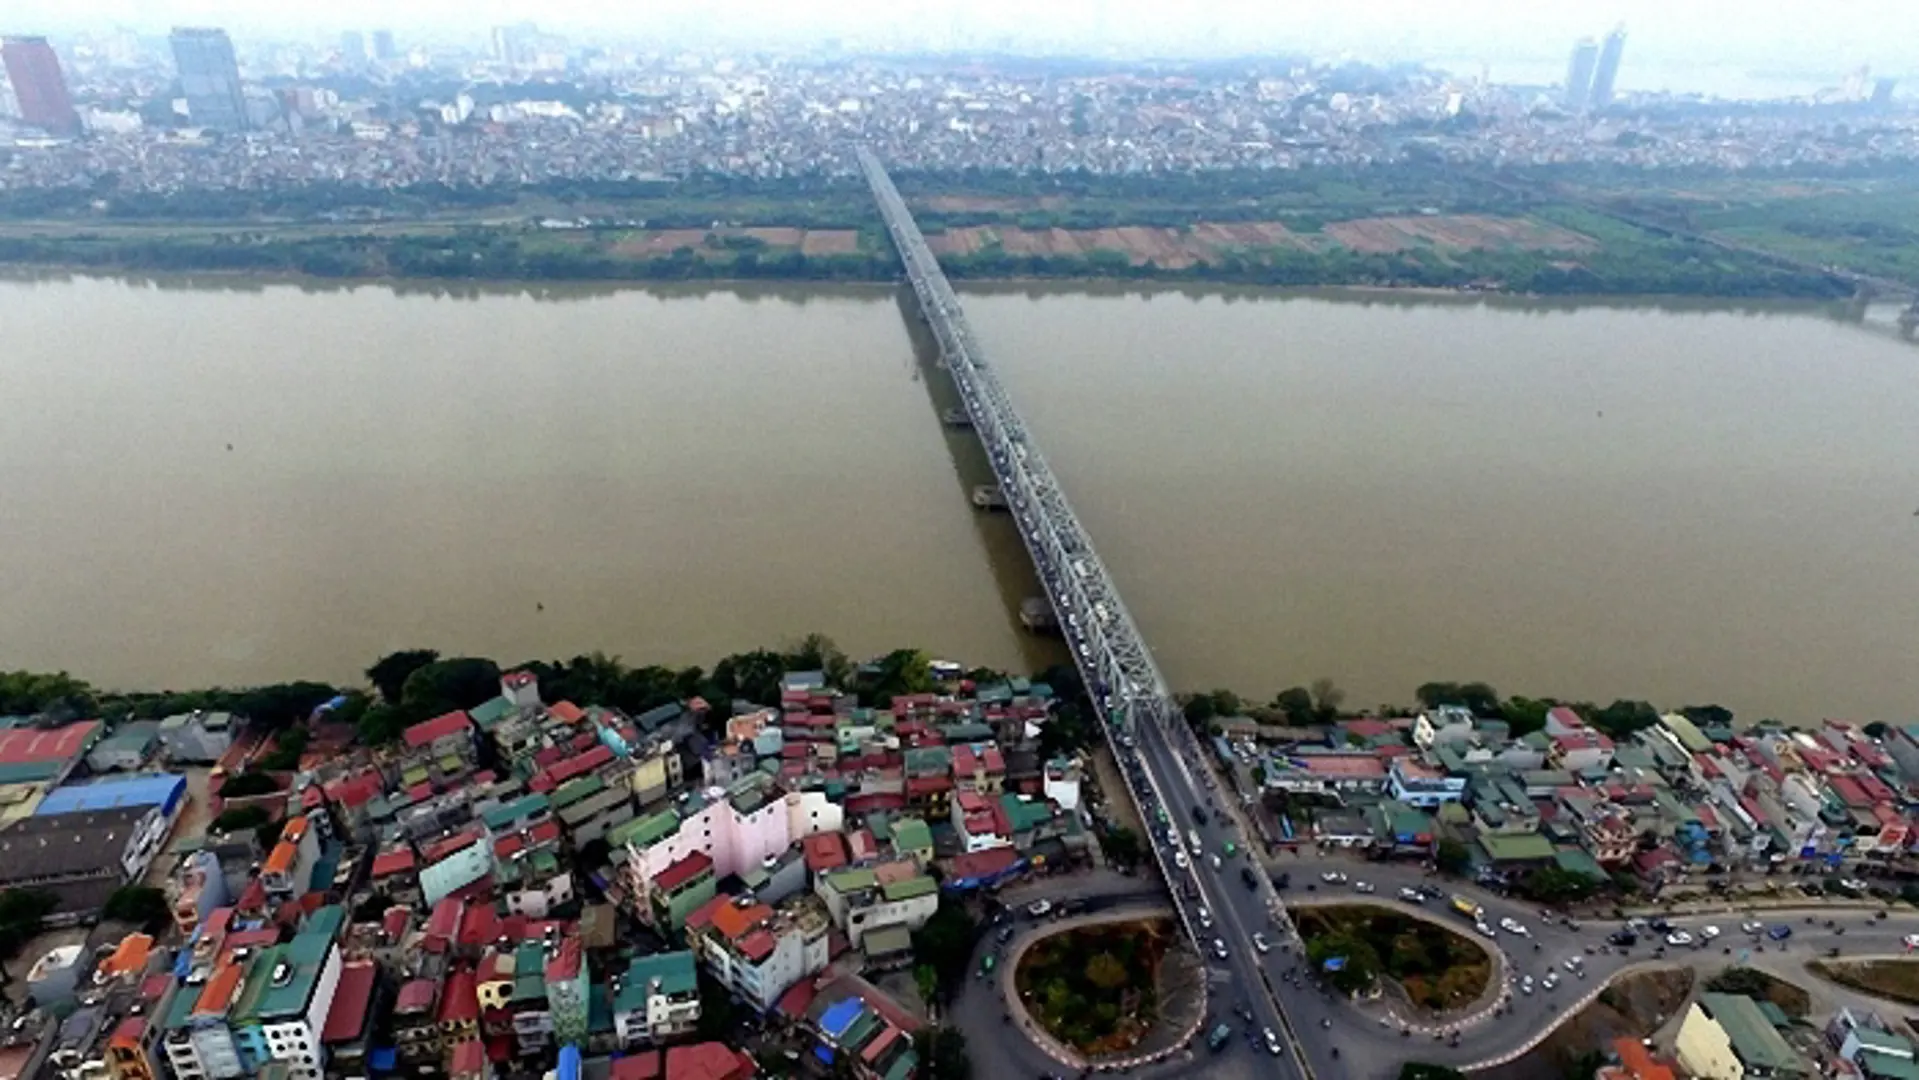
(282,858)
(130,957)
(296,828)
(734,920)
(1639,1062)
(219,990)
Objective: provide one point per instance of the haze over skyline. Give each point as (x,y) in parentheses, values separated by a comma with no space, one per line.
(1801,35)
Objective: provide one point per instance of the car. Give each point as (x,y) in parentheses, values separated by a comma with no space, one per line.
(1573,963)
(1660,924)
(1216,862)
(1551,980)
(1260,943)
(1282,881)
(1333,877)
(1526,985)
(1855,885)
(1199,814)
(1412,896)
(1180,860)
(1709,932)
(1039,907)
(1512,926)
(1219,949)
(1912,941)
(1363,887)
(1484,930)
(1272,1042)
(1780,932)
(1752,926)
(1205,917)
(1221,1035)
(1623,938)
(1005,934)
(1679,937)
(1247,877)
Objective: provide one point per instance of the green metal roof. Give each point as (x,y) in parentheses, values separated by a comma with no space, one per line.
(1023,814)
(1753,1037)
(304,956)
(674,970)
(912,834)
(1519,847)
(846,881)
(523,807)
(910,888)
(646,831)
(492,712)
(529,972)
(576,789)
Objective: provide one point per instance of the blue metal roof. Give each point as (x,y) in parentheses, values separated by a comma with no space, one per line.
(144,790)
(840,1015)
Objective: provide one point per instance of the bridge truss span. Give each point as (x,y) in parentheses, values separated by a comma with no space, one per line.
(1107,646)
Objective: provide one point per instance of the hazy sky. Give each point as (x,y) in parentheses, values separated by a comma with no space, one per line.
(1824,34)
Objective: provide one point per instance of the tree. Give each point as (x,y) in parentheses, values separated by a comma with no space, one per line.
(1360,961)
(1226,703)
(1556,885)
(1525,715)
(389,674)
(1327,699)
(1122,846)
(445,685)
(1712,716)
(22,911)
(29,693)
(1622,718)
(142,905)
(288,745)
(283,704)
(1478,697)
(1106,972)
(1452,856)
(945,943)
(248,784)
(383,723)
(817,652)
(718,1016)
(1877,729)
(1296,703)
(1200,710)
(942,1054)
(239,819)
(751,676)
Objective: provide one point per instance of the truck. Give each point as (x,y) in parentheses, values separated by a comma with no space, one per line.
(1465,906)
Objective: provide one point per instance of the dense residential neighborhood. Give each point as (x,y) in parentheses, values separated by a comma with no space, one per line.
(524,887)
(1674,802)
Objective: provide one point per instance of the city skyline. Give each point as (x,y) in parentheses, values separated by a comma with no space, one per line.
(1795,33)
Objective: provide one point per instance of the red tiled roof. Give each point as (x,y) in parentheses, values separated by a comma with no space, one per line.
(416,996)
(356,790)
(683,871)
(461,1001)
(45,744)
(423,734)
(862,845)
(565,963)
(444,922)
(879,800)
(707,1061)
(392,862)
(567,711)
(479,925)
(348,1016)
(641,1065)
(981,863)
(395,920)
(797,999)
(466,1058)
(824,851)
(733,920)
(559,773)
(757,946)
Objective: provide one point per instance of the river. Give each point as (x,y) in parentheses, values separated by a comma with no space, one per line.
(211,482)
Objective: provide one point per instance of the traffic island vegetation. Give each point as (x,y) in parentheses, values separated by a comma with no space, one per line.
(1095,988)
(1354,946)
(1895,980)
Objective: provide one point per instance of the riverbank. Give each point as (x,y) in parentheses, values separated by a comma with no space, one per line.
(1547,251)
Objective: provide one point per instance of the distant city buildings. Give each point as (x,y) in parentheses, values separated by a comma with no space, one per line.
(352,46)
(210,78)
(1579,74)
(1607,76)
(39,87)
(383,49)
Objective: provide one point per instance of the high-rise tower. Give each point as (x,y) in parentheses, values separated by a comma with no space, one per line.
(1608,73)
(210,78)
(39,88)
(1579,74)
